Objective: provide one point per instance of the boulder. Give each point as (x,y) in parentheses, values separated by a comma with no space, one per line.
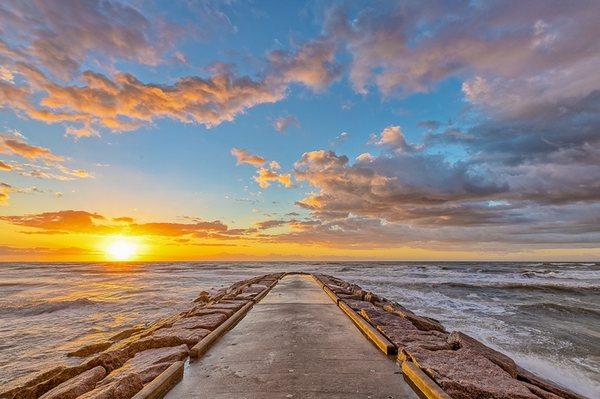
(466,374)
(124,388)
(22,383)
(183,335)
(229,304)
(91,349)
(460,340)
(125,333)
(76,386)
(542,393)
(546,385)
(422,323)
(210,309)
(405,338)
(378,318)
(204,297)
(38,389)
(359,305)
(209,321)
(148,364)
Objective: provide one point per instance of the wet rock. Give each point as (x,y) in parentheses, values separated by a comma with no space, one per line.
(209,321)
(76,386)
(379,318)
(124,388)
(466,374)
(546,385)
(371,297)
(21,384)
(229,304)
(422,323)
(460,340)
(90,349)
(182,335)
(148,365)
(541,392)
(43,386)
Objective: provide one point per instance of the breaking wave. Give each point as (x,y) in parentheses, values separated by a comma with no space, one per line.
(38,308)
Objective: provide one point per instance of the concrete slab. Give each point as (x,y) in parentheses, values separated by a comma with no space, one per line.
(295,343)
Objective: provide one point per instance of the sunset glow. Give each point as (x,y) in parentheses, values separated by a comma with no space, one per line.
(299,130)
(121,249)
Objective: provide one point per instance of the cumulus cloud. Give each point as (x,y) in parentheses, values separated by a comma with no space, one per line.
(106,29)
(4,166)
(265,176)
(283,123)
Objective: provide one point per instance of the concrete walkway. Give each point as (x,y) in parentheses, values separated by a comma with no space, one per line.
(295,343)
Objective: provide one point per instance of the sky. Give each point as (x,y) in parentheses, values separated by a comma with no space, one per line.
(317,130)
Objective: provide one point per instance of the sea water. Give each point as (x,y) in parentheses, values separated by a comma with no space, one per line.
(546,316)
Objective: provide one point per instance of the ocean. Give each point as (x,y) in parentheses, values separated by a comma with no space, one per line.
(546,316)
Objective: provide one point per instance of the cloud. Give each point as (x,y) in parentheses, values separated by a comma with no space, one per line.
(17,146)
(283,123)
(265,177)
(104,30)
(244,157)
(5,190)
(4,166)
(402,49)
(84,222)
(393,137)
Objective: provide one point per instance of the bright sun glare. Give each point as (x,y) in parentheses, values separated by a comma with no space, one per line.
(121,249)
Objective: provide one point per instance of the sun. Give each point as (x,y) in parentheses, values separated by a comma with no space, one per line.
(121,249)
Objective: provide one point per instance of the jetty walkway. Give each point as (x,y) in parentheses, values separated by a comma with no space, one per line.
(294,343)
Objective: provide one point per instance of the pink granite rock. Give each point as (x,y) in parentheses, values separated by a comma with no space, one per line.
(23,383)
(148,364)
(76,386)
(91,349)
(460,340)
(209,321)
(124,388)
(204,297)
(466,374)
(546,385)
(359,305)
(210,309)
(190,337)
(422,323)
(126,333)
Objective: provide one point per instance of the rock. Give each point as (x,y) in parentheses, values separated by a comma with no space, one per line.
(229,304)
(183,335)
(43,386)
(210,309)
(22,383)
(432,340)
(460,340)
(209,321)
(541,392)
(254,289)
(371,297)
(422,323)
(76,386)
(124,388)
(90,349)
(380,318)
(350,296)
(126,333)
(546,385)
(204,297)
(358,305)
(148,364)
(466,374)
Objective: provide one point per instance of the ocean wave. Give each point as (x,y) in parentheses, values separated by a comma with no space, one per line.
(37,308)
(555,307)
(549,287)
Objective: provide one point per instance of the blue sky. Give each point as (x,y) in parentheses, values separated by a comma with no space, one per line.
(458,104)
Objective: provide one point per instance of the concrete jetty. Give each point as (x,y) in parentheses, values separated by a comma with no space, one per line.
(294,343)
(288,335)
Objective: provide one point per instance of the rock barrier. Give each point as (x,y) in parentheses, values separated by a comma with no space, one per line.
(438,363)
(136,361)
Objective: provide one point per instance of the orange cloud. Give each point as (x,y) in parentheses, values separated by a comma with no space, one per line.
(16,146)
(265,177)
(244,157)
(4,166)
